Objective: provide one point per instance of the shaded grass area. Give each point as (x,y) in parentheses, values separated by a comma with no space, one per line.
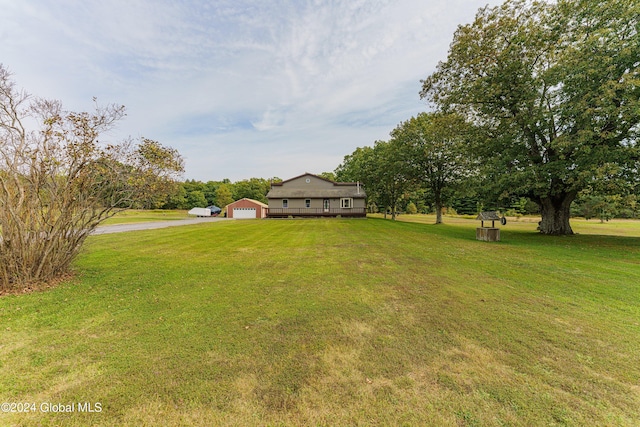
(614,227)
(141,215)
(333,322)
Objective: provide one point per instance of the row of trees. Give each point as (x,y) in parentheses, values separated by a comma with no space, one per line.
(535,100)
(192,193)
(58,181)
(606,206)
(424,159)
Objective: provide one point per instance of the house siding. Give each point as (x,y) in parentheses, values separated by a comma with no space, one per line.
(297,190)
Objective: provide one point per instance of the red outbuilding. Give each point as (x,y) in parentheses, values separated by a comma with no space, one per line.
(246,208)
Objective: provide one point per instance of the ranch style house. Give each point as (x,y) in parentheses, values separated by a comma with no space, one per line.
(310,195)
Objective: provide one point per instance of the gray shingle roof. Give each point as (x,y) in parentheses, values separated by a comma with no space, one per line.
(328,193)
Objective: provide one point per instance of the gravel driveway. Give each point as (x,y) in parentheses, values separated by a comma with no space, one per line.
(121,228)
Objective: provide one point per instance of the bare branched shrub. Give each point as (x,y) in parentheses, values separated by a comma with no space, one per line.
(58,181)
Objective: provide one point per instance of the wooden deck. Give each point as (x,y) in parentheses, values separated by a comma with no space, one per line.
(316,212)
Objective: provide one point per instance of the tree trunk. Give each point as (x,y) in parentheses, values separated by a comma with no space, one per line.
(438,213)
(555,214)
(438,204)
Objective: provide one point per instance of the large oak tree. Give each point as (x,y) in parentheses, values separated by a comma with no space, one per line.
(555,87)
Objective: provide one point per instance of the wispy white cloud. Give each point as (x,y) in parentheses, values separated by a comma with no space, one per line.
(241,88)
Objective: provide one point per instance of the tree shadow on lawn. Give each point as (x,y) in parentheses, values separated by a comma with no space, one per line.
(578,240)
(515,237)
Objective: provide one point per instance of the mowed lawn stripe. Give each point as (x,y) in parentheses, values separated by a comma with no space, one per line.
(333,322)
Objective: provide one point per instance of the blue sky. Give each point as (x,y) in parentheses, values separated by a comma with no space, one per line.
(240,88)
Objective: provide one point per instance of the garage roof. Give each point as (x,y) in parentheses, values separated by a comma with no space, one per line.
(257,202)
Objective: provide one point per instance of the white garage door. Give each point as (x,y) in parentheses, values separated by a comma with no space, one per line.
(244,213)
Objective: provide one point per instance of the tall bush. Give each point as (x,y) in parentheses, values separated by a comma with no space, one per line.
(58,181)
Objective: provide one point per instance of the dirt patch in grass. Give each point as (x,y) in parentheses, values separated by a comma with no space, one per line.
(37,287)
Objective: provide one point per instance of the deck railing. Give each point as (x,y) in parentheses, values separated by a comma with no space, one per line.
(285,212)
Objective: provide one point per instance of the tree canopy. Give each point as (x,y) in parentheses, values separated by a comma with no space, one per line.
(555,89)
(382,170)
(433,146)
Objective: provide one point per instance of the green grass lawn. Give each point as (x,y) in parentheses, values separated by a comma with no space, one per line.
(334,322)
(141,215)
(615,227)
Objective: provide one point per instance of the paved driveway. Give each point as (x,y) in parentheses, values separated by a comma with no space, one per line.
(121,228)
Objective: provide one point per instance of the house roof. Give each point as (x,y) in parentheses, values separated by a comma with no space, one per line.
(300,176)
(334,190)
(316,176)
(328,193)
(257,202)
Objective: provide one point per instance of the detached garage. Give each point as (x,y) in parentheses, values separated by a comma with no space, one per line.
(246,208)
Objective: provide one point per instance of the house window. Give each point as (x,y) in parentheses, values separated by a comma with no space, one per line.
(346,203)
(285,203)
(307,203)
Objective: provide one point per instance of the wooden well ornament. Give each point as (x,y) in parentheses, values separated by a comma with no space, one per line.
(489,234)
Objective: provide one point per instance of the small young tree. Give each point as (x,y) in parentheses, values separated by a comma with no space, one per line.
(383,171)
(359,166)
(58,181)
(196,199)
(224,195)
(390,172)
(434,146)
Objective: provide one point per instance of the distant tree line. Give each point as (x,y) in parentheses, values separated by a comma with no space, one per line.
(192,193)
